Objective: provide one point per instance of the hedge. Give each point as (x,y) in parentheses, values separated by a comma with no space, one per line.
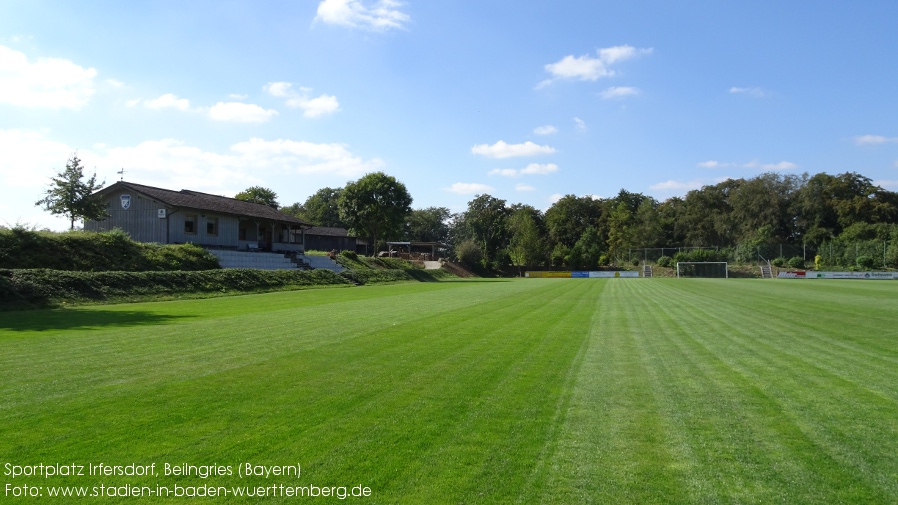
(44,287)
(89,251)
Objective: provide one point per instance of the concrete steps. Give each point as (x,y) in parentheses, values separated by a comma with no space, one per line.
(259,260)
(322,262)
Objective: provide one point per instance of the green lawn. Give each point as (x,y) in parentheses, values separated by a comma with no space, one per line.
(523,391)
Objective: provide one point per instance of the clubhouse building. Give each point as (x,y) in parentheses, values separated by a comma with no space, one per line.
(164,216)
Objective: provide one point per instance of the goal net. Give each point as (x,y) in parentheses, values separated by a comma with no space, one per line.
(712,269)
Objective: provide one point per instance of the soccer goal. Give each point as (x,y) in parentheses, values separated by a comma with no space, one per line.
(714,269)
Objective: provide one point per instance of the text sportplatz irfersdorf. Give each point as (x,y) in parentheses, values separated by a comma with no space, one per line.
(150,470)
(164,480)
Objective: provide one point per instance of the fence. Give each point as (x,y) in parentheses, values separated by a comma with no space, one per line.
(862,253)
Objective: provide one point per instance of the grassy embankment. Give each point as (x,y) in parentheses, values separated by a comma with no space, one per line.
(529,391)
(42,269)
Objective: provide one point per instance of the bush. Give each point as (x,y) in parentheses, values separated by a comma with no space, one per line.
(468,253)
(43,287)
(779,262)
(865,262)
(665,261)
(94,252)
(796,262)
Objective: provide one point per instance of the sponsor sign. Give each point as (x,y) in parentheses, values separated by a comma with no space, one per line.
(839,275)
(555,275)
(582,274)
(792,275)
(613,275)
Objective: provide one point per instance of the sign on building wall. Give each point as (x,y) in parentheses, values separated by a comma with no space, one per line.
(126,201)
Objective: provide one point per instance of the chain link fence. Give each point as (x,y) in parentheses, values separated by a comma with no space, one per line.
(867,254)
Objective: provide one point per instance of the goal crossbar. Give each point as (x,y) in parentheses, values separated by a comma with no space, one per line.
(726,270)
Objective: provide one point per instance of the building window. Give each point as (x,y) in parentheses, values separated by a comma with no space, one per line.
(212,226)
(190,224)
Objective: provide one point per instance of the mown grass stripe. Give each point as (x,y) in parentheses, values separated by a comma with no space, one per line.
(536,390)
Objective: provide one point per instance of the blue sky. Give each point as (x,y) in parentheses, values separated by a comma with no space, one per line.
(526,101)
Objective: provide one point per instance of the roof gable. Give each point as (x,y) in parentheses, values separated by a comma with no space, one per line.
(206,202)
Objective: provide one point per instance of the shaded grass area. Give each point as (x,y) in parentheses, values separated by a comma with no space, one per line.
(524,391)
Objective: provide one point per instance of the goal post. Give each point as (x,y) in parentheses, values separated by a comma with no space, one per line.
(706,269)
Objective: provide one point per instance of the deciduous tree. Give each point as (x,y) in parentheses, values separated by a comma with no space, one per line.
(72,196)
(258,194)
(375,206)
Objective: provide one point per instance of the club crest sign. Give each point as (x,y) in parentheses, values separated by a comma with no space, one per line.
(126,201)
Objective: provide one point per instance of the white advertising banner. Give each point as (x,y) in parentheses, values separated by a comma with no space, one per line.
(839,275)
(606,275)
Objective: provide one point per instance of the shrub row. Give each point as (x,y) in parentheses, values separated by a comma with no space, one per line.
(44,287)
(88,251)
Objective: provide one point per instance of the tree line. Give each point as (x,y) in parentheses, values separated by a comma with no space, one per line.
(737,217)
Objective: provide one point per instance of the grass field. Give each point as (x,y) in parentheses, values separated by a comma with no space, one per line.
(524,391)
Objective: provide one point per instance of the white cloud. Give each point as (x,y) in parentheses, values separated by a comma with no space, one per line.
(279,89)
(48,82)
(891,185)
(316,107)
(713,164)
(312,107)
(672,186)
(238,96)
(755,92)
(305,157)
(239,112)
(588,68)
(504,172)
(382,15)
(523,187)
(545,130)
(782,165)
(469,188)
(580,124)
(868,140)
(501,149)
(531,169)
(540,169)
(30,158)
(619,92)
(167,101)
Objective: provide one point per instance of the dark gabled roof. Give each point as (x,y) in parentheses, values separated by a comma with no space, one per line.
(326,231)
(207,202)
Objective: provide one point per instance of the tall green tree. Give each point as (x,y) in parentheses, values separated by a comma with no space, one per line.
(72,196)
(375,206)
(525,244)
(486,223)
(323,209)
(569,217)
(428,225)
(619,231)
(258,194)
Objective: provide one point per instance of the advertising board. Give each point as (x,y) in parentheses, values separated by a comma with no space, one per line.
(839,275)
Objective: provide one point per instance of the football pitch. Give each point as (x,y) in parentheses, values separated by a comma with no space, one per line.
(557,391)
